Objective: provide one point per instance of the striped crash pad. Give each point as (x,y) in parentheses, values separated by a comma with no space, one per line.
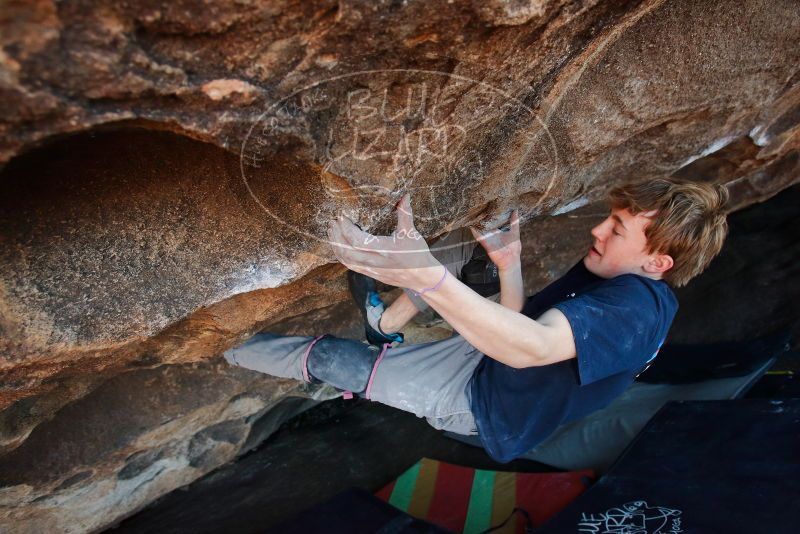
(469,500)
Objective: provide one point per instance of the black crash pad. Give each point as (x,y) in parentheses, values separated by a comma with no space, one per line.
(700,467)
(355,511)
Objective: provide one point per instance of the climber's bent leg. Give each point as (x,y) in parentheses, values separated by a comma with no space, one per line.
(343,363)
(272,354)
(430,380)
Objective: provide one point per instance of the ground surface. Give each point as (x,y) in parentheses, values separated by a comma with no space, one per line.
(332,447)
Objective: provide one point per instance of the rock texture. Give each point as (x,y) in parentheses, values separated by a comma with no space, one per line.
(133,438)
(168,170)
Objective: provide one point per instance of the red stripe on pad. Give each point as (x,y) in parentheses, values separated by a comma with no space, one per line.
(450,500)
(385,492)
(543,495)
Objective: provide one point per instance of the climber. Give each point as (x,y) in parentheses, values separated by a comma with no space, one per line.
(517,369)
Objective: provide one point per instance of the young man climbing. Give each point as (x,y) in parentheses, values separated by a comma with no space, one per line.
(519,368)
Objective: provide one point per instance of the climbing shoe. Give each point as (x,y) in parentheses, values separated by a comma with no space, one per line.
(369,303)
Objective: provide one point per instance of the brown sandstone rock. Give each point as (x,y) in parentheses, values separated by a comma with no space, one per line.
(215,139)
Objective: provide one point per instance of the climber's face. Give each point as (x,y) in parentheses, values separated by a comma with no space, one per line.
(620,247)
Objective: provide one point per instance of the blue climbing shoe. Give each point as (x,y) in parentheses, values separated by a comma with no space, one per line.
(369,303)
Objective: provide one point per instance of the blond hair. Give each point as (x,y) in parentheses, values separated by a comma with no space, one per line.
(689,223)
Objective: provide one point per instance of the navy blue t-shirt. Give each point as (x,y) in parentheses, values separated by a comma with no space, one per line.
(618,324)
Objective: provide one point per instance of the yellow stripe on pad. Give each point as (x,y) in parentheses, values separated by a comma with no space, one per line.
(505,498)
(423,492)
(404,488)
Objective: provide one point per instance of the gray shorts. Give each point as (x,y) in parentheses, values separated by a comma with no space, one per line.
(430,380)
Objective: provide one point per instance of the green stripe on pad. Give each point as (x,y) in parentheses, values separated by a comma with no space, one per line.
(404,488)
(479,513)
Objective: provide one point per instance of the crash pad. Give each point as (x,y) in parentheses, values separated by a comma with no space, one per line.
(469,500)
(703,467)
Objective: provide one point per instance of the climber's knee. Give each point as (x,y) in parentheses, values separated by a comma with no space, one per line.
(343,363)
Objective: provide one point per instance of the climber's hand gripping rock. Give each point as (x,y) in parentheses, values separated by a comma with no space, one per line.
(402,259)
